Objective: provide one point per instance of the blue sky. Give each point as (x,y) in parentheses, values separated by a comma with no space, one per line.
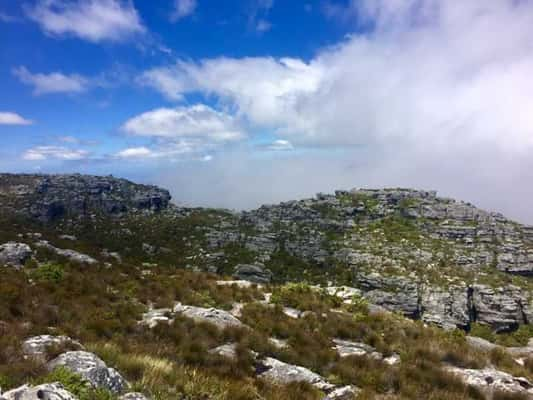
(94,114)
(236,103)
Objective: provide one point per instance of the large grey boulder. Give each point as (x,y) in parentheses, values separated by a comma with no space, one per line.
(481,344)
(72,255)
(222,319)
(91,368)
(253,273)
(37,346)
(281,373)
(48,391)
(490,380)
(14,254)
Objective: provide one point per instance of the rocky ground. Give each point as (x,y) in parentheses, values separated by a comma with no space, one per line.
(109,291)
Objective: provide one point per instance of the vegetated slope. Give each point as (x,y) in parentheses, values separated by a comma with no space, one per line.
(138,284)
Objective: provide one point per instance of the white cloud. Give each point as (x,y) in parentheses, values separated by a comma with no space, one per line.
(181,149)
(197,121)
(264,90)
(10,118)
(182,9)
(135,152)
(40,153)
(439,74)
(92,20)
(280,145)
(55,82)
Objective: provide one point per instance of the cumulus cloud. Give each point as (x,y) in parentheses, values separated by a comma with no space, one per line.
(438,72)
(182,9)
(41,153)
(263,90)
(434,93)
(197,121)
(135,152)
(92,20)
(11,118)
(55,82)
(183,149)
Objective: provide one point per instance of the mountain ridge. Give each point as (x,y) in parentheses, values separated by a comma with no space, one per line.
(383,280)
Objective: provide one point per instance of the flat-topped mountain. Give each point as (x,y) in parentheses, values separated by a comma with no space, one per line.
(49,197)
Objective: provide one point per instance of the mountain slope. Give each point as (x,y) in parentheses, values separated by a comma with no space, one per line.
(131,278)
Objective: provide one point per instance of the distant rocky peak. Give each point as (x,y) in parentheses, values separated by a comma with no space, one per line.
(50,197)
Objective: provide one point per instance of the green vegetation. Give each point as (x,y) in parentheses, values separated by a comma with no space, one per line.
(518,338)
(49,272)
(75,384)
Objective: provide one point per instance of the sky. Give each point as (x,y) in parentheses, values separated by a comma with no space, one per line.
(236,103)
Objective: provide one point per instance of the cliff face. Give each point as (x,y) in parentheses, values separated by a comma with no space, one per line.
(50,197)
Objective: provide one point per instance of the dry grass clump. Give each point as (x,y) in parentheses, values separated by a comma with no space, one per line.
(304,297)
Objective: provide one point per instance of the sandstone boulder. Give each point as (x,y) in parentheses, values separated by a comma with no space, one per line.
(37,346)
(282,373)
(91,368)
(14,254)
(48,391)
(220,318)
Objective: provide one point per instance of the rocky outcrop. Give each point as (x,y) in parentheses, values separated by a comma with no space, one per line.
(253,273)
(456,306)
(448,308)
(282,373)
(48,391)
(72,255)
(50,197)
(393,293)
(222,319)
(500,308)
(14,254)
(346,348)
(92,369)
(491,380)
(37,346)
